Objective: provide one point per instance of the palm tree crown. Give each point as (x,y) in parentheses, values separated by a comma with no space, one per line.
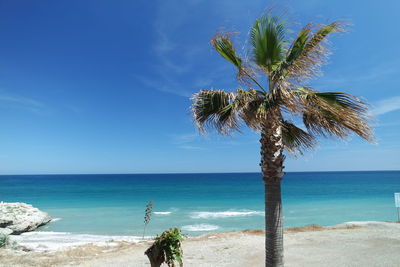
(287,68)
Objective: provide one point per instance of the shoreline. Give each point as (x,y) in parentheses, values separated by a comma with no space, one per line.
(368,243)
(48,241)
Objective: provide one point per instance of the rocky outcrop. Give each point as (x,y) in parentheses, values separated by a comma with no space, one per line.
(17,218)
(5,231)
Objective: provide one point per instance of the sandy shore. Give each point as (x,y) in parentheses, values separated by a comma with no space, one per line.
(351,244)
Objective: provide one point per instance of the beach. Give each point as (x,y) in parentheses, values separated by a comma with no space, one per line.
(350,244)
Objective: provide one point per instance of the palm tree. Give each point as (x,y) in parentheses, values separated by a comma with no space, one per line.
(284,92)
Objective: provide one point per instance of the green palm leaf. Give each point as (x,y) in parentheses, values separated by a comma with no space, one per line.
(267,38)
(223,44)
(298,45)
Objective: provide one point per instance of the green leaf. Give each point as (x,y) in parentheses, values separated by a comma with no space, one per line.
(223,44)
(298,45)
(267,38)
(170,246)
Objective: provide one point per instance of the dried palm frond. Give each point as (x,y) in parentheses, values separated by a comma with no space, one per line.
(215,109)
(295,139)
(309,51)
(334,113)
(257,108)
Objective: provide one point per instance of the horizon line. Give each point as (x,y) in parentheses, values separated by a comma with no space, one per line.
(154,173)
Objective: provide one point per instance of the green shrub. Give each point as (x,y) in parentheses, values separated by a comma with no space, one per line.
(166,248)
(4,240)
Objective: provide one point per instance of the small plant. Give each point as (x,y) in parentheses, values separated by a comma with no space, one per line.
(147,215)
(4,240)
(166,249)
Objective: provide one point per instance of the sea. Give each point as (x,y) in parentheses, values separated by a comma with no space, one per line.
(114,204)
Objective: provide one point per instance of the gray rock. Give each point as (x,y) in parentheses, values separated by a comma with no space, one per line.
(21,217)
(5,231)
(5,223)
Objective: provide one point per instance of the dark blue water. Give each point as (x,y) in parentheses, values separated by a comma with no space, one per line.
(199,203)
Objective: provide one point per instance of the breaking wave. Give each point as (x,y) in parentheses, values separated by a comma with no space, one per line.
(162,212)
(53,241)
(200,227)
(224,214)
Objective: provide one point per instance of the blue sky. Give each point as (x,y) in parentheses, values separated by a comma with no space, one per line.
(103,86)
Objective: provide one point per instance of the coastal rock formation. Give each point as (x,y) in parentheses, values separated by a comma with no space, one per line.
(5,231)
(17,218)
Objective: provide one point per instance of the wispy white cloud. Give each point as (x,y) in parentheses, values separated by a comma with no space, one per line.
(185,65)
(15,101)
(164,44)
(361,74)
(184,138)
(386,105)
(20,100)
(188,141)
(188,147)
(73,108)
(166,84)
(196,141)
(386,124)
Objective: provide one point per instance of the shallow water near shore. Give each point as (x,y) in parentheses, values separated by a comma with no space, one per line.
(200,203)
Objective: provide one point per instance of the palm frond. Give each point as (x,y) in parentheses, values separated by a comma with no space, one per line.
(295,139)
(298,45)
(255,108)
(334,113)
(223,44)
(309,51)
(267,38)
(287,99)
(215,109)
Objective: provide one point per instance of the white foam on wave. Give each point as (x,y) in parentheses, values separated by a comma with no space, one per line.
(56,219)
(224,214)
(200,227)
(162,212)
(54,241)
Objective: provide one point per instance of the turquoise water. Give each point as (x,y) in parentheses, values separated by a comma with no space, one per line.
(200,203)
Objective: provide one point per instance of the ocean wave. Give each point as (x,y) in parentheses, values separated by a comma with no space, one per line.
(54,241)
(56,219)
(200,227)
(224,214)
(162,212)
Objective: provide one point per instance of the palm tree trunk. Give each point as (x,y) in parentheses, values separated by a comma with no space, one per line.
(272,169)
(273,225)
